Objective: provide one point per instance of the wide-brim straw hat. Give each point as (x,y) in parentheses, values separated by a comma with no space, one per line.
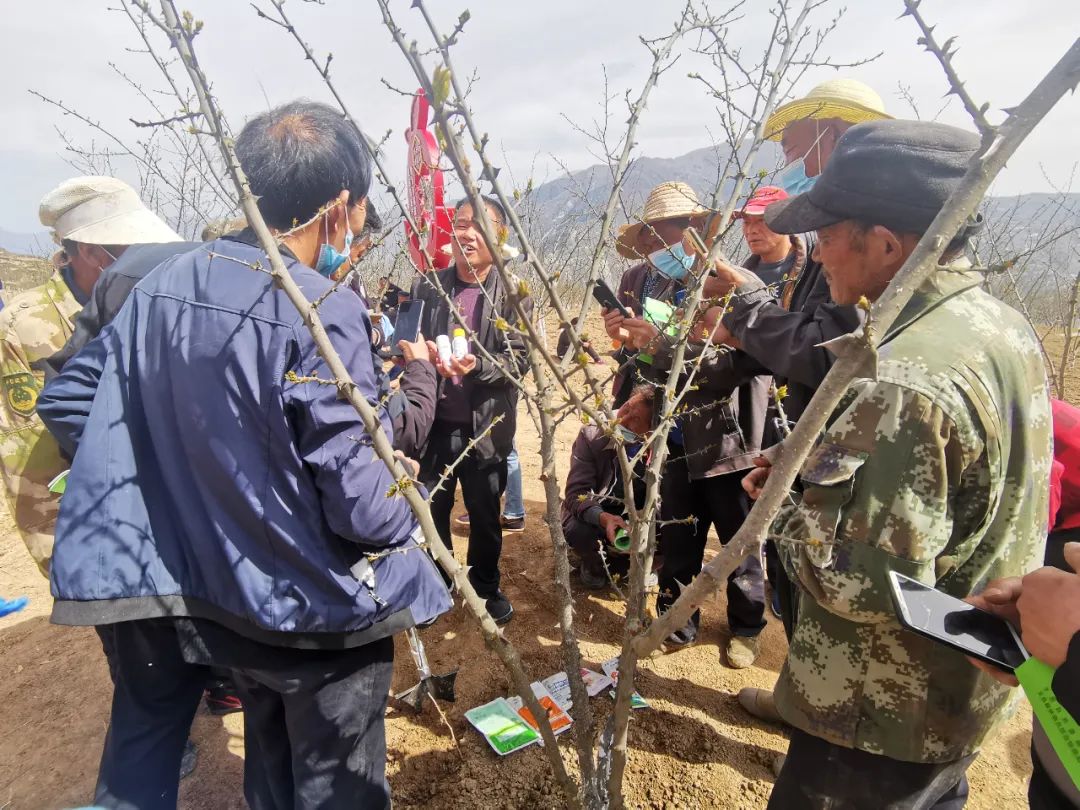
(847,99)
(670,200)
(98,210)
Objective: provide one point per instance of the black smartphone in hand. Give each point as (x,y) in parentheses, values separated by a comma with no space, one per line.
(407,326)
(956,624)
(606,298)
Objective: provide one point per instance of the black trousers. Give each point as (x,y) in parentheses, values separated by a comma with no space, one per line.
(819,775)
(586,540)
(314,730)
(155,695)
(482,486)
(722,503)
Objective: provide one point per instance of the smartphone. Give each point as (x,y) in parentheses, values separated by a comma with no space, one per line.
(956,624)
(606,298)
(407,325)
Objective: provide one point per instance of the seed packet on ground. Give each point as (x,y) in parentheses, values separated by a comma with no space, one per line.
(611,669)
(501,726)
(558,718)
(559,687)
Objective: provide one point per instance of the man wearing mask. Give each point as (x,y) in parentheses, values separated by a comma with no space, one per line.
(476,399)
(656,242)
(223,509)
(96,220)
(783,336)
(709,447)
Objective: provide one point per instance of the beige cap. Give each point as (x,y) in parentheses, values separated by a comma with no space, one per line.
(847,99)
(670,200)
(101,211)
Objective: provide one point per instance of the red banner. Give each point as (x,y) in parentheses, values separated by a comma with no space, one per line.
(431,246)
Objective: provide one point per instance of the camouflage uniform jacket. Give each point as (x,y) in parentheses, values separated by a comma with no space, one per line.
(33,326)
(937,470)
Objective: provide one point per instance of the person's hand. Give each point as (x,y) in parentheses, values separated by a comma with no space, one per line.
(754,481)
(412,466)
(999,598)
(456,368)
(418,349)
(610,524)
(613,321)
(1049,606)
(723,279)
(711,328)
(639,333)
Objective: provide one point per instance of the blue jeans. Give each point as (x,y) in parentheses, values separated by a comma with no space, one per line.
(514,503)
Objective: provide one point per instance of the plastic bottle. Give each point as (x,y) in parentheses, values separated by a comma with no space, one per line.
(442,344)
(460,344)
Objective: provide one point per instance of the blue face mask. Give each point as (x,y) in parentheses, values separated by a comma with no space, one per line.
(330,259)
(792,178)
(672,261)
(628,435)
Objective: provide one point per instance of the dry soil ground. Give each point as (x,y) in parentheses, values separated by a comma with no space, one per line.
(693,748)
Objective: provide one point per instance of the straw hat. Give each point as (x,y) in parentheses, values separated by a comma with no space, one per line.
(846,99)
(670,200)
(101,211)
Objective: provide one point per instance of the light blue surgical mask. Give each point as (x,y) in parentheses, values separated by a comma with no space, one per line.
(672,261)
(628,435)
(792,178)
(330,259)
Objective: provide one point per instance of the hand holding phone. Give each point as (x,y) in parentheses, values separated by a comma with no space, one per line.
(956,624)
(607,298)
(407,326)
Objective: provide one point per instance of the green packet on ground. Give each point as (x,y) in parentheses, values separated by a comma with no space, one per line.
(501,726)
(1060,727)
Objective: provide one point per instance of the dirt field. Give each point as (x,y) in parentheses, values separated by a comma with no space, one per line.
(693,748)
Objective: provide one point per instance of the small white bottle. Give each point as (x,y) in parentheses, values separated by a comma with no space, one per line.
(460,344)
(442,344)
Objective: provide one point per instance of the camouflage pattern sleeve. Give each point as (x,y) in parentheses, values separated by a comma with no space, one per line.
(875,499)
(32,327)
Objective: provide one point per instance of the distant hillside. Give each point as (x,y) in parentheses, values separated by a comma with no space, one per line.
(20,273)
(574,195)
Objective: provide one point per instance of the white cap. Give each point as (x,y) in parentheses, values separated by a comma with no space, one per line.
(101,211)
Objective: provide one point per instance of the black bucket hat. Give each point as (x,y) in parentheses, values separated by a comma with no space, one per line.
(897,174)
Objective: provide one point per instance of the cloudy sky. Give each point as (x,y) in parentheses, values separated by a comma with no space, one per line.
(536,62)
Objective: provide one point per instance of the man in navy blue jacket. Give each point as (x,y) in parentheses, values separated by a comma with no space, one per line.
(220,510)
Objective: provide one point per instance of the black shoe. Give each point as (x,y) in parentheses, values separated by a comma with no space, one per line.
(189,759)
(593,580)
(684,637)
(500,608)
(512,525)
(774,604)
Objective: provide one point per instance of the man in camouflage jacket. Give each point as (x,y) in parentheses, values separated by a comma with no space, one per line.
(33,325)
(95,219)
(936,469)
